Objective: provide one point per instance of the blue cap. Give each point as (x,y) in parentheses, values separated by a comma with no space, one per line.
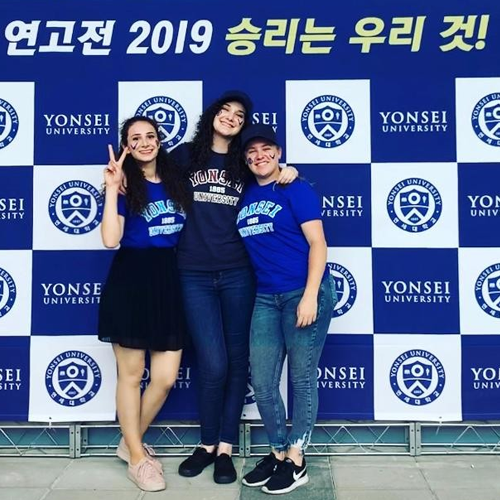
(238,96)
(258,131)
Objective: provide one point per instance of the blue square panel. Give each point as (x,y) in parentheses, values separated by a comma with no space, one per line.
(14,378)
(480,377)
(415,290)
(345,194)
(479,204)
(76,120)
(413,120)
(16,208)
(345,378)
(182,402)
(67,290)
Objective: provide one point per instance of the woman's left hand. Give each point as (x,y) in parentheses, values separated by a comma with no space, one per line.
(287,175)
(306,311)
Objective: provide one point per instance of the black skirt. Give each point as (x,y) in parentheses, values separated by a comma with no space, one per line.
(141,304)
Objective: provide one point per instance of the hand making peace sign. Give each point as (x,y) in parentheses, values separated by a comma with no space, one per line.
(113,173)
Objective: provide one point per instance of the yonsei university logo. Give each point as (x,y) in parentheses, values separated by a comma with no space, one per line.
(486,119)
(9,123)
(170,117)
(346,287)
(73,378)
(327,121)
(76,207)
(414,205)
(7,292)
(417,377)
(487,290)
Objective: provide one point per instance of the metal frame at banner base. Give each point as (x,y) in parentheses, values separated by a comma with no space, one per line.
(329,438)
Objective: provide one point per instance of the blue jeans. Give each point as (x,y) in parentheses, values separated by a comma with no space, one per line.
(273,336)
(219,308)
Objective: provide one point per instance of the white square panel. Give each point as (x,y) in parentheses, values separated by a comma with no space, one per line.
(351,267)
(478,119)
(72,378)
(68,207)
(328,121)
(15,292)
(175,106)
(415,205)
(479,287)
(417,377)
(17,123)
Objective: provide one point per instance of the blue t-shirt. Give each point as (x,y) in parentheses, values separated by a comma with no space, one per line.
(210,240)
(159,224)
(269,222)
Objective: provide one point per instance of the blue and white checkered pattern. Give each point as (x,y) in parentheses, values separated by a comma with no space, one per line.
(408,172)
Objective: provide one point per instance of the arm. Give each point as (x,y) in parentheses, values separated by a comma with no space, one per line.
(112,223)
(308,305)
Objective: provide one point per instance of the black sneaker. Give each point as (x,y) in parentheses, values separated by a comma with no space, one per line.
(287,477)
(224,471)
(195,464)
(263,471)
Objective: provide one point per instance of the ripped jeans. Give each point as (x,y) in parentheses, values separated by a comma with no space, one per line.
(273,336)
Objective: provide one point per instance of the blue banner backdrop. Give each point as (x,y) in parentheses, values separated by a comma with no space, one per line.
(392,111)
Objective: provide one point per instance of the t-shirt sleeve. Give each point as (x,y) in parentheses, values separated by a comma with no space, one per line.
(304,202)
(122,205)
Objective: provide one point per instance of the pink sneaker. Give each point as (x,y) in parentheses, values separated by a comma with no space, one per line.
(123,452)
(145,475)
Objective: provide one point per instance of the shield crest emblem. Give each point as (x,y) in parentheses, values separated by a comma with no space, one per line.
(72,379)
(3,120)
(165,118)
(417,378)
(492,118)
(494,289)
(76,207)
(327,122)
(414,205)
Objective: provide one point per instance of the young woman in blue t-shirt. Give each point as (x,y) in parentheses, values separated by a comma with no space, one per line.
(283,233)
(217,280)
(140,308)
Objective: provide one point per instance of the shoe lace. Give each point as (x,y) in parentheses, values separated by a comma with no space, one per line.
(264,462)
(284,468)
(149,449)
(147,471)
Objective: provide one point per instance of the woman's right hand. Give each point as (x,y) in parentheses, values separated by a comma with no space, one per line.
(113,173)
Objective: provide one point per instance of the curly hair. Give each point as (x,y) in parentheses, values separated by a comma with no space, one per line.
(170,175)
(201,146)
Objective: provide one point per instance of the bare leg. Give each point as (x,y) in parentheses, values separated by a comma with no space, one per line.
(224,448)
(295,454)
(128,398)
(164,370)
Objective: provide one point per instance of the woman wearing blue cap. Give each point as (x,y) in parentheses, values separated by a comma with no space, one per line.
(217,280)
(283,233)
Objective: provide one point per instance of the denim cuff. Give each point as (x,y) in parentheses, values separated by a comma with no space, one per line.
(280,447)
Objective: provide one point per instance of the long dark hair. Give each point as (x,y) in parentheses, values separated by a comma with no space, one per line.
(170,175)
(201,146)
